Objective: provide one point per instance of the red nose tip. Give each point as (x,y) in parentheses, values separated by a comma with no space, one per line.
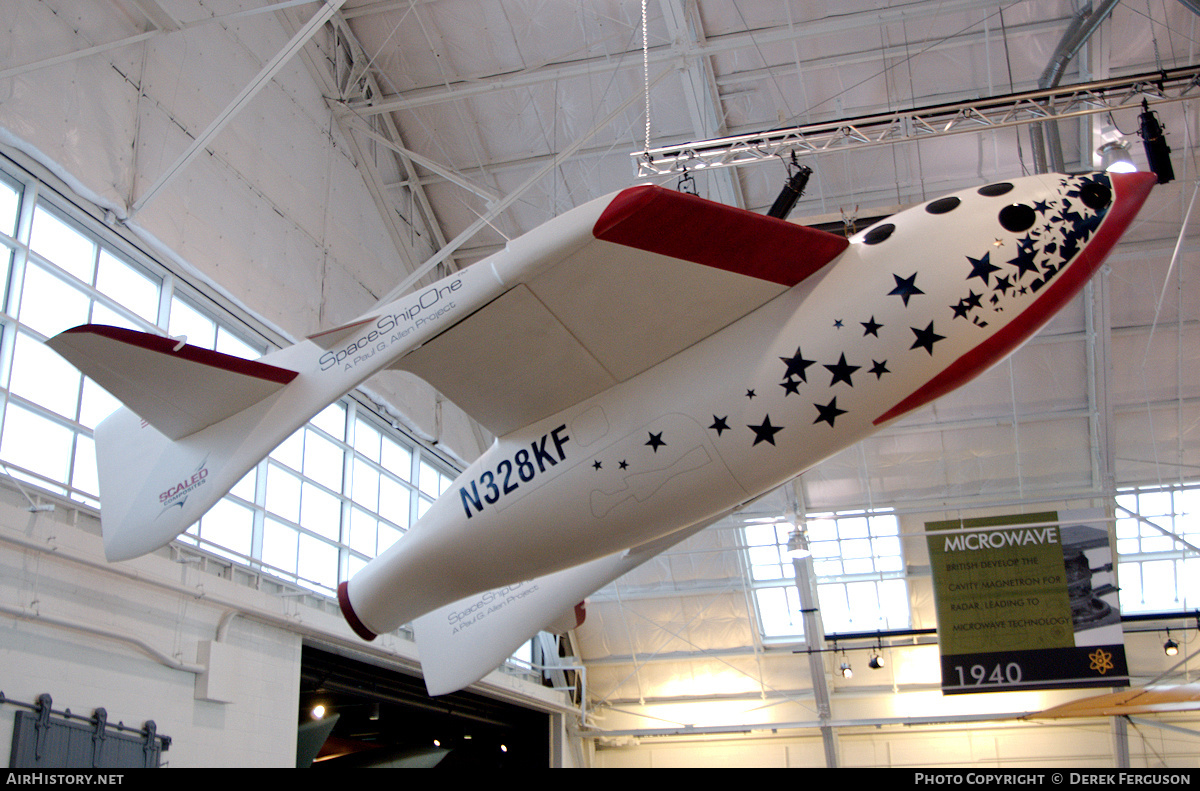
(1132,190)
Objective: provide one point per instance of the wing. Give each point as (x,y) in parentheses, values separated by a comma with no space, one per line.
(176,388)
(658,271)
(462,642)
(1142,700)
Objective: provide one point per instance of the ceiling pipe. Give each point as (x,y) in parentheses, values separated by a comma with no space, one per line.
(1047,146)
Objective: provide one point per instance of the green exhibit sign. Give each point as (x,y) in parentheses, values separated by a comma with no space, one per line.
(1026,602)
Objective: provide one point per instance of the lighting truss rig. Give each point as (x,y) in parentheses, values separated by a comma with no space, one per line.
(1009,110)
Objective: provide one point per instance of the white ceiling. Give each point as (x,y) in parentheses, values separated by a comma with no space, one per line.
(543,102)
(473,121)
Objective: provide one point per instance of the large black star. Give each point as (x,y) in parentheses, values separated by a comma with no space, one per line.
(719,424)
(972,300)
(926,338)
(871,327)
(765,432)
(828,413)
(656,441)
(841,372)
(905,287)
(982,267)
(1025,262)
(961,309)
(879,369)
(796,366)
(790,387)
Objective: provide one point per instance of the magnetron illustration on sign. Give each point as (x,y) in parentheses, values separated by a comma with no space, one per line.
(649,362)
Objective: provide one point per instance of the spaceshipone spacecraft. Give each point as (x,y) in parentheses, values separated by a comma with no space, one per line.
(649,363)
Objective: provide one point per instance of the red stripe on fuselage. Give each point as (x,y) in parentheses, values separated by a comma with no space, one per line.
(691,228)
(1131,191)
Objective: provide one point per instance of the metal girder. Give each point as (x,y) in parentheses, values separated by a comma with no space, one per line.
(1010,110)
(260,81)
(810,30)
(700,89)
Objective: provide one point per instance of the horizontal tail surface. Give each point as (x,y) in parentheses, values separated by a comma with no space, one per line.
(176,388)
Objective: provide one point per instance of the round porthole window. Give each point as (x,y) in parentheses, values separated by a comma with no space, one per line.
(943,205)
(879,233)
(992,190)
(1017,217)
(1095,196)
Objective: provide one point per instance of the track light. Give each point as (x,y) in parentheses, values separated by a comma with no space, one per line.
(1114,158)
(1170,648)
(797,545)
(876,662)
(793,188)
(1157,150)
(845,670)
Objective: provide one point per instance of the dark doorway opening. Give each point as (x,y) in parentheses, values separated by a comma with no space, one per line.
(385,718)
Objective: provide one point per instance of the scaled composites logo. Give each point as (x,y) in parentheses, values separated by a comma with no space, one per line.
(178,493)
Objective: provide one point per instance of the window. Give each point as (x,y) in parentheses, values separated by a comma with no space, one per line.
(1156,573)
(859,568)
(332,496)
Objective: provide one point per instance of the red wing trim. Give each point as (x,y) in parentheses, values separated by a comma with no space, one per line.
(157,343)
(1131,192)
(690,228)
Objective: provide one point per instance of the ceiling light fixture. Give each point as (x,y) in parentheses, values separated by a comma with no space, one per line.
(845,670)
(1157,151)
(876,662)
(1114,158)
(797,545)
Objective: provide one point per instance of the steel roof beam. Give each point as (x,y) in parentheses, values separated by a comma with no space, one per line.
(1000,112)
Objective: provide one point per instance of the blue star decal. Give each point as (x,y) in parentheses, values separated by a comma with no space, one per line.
(926,338)
(982,267)
(905,287)
(796,366)
(828,413)
(765,432)
(841,371)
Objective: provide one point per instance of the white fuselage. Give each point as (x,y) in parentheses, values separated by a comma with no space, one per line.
(900,317)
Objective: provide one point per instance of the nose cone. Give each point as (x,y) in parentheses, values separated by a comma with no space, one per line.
(1117,198)
(1131,189)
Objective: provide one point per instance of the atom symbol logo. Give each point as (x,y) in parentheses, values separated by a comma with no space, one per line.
(1101,661)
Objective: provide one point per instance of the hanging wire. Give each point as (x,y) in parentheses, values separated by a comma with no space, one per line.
(646,73)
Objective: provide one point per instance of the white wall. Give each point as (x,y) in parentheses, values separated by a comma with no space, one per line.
(54,584)
(274,214)
(129,637)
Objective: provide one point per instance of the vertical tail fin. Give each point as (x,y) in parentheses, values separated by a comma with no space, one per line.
(163,467)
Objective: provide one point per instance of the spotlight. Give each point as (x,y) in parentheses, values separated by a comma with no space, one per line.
(318,712)
(876,662)
(793,188)
(845,670)
(797,545)
(1157,150)
(1114,158)
(1170,648)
